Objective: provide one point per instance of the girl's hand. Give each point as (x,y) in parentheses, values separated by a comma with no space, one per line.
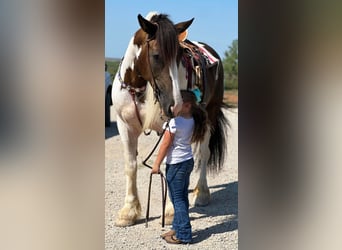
(155,169)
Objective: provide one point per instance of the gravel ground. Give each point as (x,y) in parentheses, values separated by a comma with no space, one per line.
(214,226)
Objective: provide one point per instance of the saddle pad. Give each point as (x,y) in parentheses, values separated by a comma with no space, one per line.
(212,59)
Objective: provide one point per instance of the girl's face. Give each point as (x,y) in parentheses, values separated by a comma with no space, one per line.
(186,108)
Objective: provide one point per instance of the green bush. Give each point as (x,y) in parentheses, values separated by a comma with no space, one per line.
(230,65)
(112,67)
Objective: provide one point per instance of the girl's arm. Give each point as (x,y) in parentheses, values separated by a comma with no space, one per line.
(166,142)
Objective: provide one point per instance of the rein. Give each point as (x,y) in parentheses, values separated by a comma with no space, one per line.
(163,183)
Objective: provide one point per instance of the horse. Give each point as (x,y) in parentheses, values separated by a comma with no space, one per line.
(158,63)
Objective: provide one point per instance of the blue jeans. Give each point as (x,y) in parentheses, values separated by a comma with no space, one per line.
(178,178)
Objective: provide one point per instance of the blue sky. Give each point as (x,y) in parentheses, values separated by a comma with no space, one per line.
(216,21)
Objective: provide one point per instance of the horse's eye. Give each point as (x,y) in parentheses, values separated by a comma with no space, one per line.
(156,57)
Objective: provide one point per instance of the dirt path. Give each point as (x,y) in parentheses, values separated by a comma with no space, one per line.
(214,226)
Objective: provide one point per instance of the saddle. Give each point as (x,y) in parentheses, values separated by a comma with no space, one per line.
(197,61)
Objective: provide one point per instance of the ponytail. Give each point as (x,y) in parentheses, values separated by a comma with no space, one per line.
(200,118)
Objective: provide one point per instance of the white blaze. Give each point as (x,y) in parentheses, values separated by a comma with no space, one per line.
(175,88)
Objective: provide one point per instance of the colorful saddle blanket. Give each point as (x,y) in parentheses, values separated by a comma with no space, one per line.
(197,59)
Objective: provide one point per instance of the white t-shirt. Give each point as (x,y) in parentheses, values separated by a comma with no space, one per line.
(180,149)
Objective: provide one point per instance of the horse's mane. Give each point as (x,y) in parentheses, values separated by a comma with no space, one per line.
(166,37)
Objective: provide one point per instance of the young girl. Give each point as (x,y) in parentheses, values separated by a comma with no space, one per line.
(189,126)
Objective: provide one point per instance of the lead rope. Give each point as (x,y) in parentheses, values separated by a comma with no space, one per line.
(156,91)
(163,183)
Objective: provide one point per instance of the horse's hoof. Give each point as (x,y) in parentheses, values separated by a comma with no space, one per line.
(128,215)
(124,223)
(201,196)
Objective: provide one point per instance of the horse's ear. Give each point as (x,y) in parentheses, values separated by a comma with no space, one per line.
(147,26)
(181,27)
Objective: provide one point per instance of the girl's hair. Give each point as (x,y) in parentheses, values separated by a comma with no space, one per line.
(199,115)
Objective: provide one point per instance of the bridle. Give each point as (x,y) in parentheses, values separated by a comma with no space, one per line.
(133,91)
(156,90)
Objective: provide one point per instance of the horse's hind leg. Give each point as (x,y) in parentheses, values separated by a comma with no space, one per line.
(131,209)
(169,212)
(201,192)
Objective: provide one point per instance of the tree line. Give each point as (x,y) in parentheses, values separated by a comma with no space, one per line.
(230,65)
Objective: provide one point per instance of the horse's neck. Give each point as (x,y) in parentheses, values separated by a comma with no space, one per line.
(182,76)
(131,53)
(128,73)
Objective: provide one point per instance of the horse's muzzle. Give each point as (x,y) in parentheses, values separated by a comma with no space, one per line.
(170,112)
(174,110)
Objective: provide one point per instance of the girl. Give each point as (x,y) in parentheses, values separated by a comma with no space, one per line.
(189,126)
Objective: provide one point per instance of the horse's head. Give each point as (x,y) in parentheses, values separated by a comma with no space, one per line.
(158,57)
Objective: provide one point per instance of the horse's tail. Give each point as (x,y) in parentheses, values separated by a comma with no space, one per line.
(218,140)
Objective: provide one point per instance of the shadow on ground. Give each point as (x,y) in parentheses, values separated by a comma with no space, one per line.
(225,201)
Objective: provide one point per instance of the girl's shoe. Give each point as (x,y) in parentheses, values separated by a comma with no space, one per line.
(169,233)
(173,240)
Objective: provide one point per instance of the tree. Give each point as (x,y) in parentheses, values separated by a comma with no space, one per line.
(230,65)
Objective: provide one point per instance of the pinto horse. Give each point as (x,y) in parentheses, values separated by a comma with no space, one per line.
(146,92)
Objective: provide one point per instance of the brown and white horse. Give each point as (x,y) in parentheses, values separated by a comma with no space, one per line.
(146,91)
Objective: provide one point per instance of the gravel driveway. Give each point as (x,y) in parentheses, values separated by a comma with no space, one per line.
(214,226)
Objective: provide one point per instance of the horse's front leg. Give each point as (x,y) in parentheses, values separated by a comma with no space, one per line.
(131,209)
(201,193)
